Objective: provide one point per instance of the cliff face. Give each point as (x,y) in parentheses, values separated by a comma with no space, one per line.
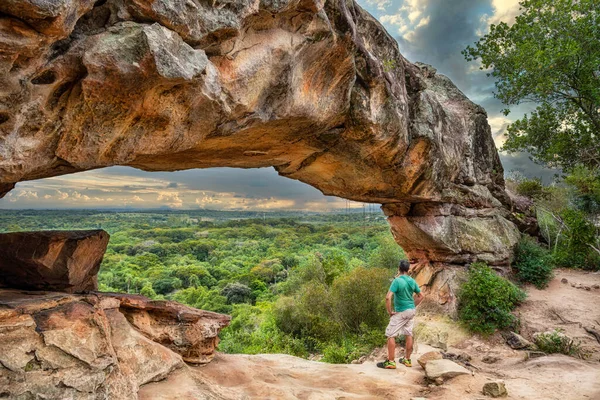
(318,90)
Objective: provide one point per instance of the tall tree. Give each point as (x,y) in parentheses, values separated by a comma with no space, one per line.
(550,56)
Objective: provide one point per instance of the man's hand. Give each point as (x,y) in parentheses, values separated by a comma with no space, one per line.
(388,303)
(419,298)
(392,313)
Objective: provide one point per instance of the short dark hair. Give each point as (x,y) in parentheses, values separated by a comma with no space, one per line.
(404,266)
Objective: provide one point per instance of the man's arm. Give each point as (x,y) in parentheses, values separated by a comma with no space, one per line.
(418,298)
(388,303)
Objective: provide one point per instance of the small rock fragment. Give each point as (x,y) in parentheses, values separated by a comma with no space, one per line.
(430,355)
(596,286)
(490,359)
(518,342)
(534,354)
(495,389)
(439,381)
(587,288)
(444,369)
(564,280)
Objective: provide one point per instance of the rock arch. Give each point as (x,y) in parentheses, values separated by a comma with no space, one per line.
(318,90)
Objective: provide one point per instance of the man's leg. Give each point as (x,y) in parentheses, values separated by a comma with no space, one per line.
(391,347)
(409,347)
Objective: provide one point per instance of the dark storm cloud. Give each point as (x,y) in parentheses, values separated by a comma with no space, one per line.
(522,163)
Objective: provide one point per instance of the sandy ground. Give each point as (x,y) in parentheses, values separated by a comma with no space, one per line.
(554,377)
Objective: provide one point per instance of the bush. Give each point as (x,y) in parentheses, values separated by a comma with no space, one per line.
(557,342)
(237,293)
(486,300)
(358,298)
(533,263)
(387,255)
(340,353)
(532,188)
(573,248)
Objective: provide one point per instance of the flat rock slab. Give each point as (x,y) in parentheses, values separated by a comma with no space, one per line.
(429,356)
(444,369)
(66,261)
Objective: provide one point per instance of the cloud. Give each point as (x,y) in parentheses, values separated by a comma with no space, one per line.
(380,4)
(171,199)
(504,11)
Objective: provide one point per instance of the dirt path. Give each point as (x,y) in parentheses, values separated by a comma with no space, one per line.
(554,377)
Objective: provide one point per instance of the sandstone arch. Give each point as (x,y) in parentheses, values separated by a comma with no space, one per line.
(318,90)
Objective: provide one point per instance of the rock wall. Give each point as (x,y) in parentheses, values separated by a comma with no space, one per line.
(318,90)
(97,345)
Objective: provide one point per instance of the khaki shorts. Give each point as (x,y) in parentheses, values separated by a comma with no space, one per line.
(401,323)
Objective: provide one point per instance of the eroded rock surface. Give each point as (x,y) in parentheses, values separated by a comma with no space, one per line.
(318,90)
(59,345)
(66,261)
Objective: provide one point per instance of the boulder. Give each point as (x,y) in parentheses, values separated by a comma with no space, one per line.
(60,345)
(518,342)
(66,261)
(317,90)
(495,389)
(194,336)
(429,356)
(444,369)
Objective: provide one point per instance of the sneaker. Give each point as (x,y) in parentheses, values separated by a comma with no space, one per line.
(406,362)
(387,364)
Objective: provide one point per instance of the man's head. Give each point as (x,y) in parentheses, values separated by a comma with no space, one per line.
(403,267)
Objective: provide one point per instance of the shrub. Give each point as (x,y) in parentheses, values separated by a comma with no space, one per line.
(358,297)
(387,255)
(533,263)
(573,248)
(340,353)
(557,342)
(532,188)
(308,314)
(237,293)
(486,300)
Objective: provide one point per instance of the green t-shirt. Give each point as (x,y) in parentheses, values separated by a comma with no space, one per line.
(403,288)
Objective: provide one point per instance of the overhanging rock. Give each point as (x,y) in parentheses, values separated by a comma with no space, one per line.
(318,90)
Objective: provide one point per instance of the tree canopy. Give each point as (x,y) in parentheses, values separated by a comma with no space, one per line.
(550,56)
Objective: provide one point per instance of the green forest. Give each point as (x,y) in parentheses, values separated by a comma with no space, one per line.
(295,283)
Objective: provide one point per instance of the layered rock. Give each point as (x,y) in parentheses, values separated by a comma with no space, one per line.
(66,261)
(318,90)
(58,345)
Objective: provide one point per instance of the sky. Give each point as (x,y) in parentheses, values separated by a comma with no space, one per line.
(430,31)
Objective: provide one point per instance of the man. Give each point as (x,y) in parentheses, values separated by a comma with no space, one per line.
(402,289)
